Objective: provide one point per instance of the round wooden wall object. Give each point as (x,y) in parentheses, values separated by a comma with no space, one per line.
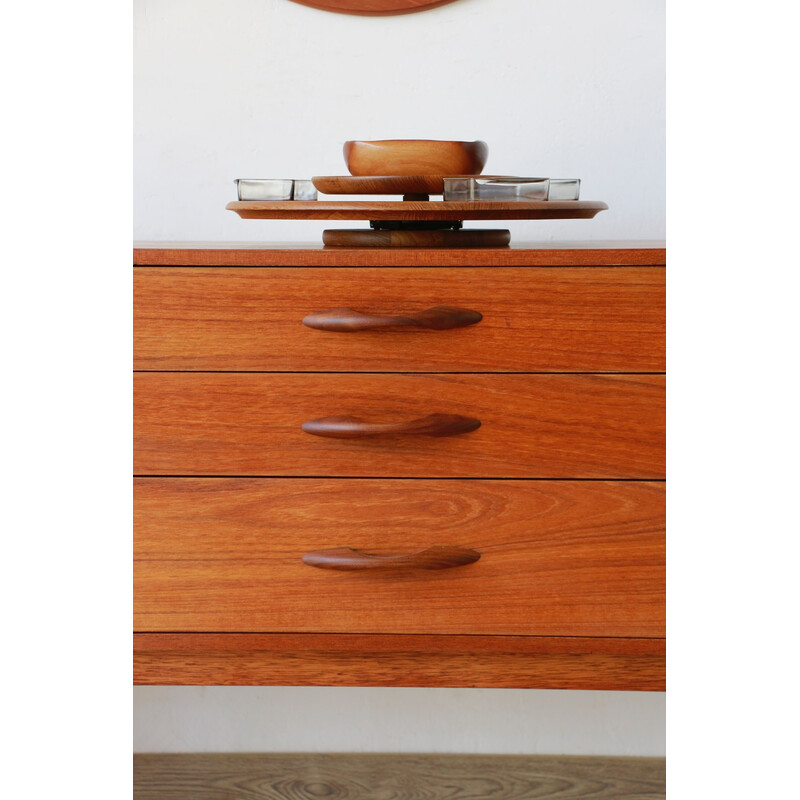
(373,7)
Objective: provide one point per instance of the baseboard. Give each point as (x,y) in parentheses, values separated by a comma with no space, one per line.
(300,776)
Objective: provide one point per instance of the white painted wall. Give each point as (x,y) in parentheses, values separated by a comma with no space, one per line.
(175,719)
(259,88)
(270,88)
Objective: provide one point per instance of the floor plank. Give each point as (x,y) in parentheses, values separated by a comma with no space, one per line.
(253,776)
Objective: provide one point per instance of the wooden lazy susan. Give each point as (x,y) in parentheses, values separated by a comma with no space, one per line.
(416,169)
(416,223)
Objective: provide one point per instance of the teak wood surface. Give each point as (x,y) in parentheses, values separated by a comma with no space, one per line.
(416,210)
(349,427)
(236,424)
(581,558)
(500,662)
(532,426)
(300,776)
(373,7)
(379,184)
(559,319)
(436,318)
(414,157)
(463,238)
(387,184)
(348,559)
(550,254)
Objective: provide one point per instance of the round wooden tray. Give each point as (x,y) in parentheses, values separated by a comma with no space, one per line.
(416,210)
(373,7)
(385,184)
(389,184)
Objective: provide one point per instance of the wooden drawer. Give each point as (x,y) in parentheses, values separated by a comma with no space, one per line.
(532,426)
(568,591)
(597,319)
(558,558)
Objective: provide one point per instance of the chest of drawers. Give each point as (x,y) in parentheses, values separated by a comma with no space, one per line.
(473,440)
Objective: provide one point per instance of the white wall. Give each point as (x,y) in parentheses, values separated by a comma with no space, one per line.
(175,719)
(258,88)
(263,88)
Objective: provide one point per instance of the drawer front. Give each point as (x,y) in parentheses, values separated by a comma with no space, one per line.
(557,558)
(595,319)
(531,426)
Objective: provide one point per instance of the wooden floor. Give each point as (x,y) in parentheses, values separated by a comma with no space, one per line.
(248,776)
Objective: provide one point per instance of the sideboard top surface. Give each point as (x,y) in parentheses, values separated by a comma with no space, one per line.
(248,254)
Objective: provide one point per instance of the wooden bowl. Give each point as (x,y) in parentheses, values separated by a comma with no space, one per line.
(415,157)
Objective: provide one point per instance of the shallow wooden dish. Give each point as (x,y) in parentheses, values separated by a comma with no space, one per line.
(415,157)
(385,184)
(379,184)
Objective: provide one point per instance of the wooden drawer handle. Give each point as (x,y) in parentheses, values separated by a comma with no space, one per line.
(439,318)
(437,557)
(346,427)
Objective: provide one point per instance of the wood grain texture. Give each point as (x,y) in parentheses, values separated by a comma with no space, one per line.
(438,318)
(605,319)
(417,210)
(527,662)
(557,558)
(347,559)
(373,7)
(346,427)
(298,776)
(387,184)
(579,662)
(379,184)
(415,157)
(532,426)
(550,254)
(463,238)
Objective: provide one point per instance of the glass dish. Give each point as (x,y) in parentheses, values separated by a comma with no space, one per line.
(304,190)
(503,189)
(264,188)
(564,189)
(272,189)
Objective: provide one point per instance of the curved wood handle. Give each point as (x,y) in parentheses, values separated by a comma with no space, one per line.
(347,427)
(345,320)
(437,557)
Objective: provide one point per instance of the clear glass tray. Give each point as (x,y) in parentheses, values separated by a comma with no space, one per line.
(564,189)
(465,189)
(270,189)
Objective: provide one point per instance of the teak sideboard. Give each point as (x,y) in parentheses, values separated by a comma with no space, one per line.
(399,467)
